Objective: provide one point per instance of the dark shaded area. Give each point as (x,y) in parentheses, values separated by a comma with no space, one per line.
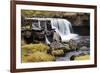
(82,30)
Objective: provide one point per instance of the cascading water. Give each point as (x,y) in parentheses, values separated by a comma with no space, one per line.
(64,29)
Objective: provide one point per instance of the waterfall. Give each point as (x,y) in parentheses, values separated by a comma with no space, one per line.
(64,29)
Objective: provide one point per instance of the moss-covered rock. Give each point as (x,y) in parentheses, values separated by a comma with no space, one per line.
(58,52)
(84,57)
(73,44)
(67,47)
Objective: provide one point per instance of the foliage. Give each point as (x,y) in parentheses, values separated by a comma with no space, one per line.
(33,13)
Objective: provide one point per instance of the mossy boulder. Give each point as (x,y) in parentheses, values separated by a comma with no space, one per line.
(58,52)
(73,44)
(67,47)
(84,57)
(80,57)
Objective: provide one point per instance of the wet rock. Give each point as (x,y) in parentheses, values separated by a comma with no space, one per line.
(56,45)
(84,48)
(84,41)
(73,44)
(67,46)
(72,57)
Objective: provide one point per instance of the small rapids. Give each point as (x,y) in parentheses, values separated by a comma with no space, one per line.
(68,55)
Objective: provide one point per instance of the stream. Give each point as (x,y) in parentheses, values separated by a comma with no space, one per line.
(70,54)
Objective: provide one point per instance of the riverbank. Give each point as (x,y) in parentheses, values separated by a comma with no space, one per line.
(68,51)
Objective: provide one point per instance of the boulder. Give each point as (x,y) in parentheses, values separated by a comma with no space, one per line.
(84,48)
(57,52)
(56,45)
(82,57)
(73,44)
(67,47)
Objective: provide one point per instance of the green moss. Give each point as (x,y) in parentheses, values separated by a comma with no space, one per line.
(35,47)
(84,57)
(38,57)
(35,53)
(58,52)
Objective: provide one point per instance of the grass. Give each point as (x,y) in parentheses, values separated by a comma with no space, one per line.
(35,47)
(38,57)
(35,53)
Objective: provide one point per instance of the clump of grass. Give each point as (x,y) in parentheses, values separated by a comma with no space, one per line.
(36,47)
(35,53)
(38,57)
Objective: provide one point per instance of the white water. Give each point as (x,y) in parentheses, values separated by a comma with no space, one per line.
(64,29)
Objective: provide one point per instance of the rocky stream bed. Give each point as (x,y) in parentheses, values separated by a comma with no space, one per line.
(57,51)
